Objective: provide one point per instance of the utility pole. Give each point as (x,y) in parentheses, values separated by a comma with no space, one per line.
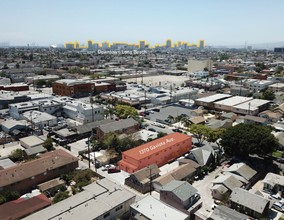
(150,180)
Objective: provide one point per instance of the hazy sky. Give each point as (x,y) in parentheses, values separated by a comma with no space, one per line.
(218,22)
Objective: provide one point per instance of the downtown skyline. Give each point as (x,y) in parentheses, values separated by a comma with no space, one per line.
(218,23)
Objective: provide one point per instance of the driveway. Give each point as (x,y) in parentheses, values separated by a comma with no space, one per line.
(203,186)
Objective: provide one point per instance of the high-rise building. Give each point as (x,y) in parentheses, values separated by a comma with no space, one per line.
(105,45)
(90,45)
(168,44)
(69,45)
(201,44)
(142,45)
(95,46)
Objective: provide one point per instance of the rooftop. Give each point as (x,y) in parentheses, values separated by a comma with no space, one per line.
(94,201)
(156,210)
(156,146)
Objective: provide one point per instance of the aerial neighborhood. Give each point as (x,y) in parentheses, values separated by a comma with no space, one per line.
(176,131)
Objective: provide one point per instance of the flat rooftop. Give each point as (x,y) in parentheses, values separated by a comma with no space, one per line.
(252,104)
(156,209)
(213,98)
(95,200)
(235,100)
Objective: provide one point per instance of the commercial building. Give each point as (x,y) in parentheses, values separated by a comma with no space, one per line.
(39,119)
(208,101)
(16,87)
(160,152)
(227,104)
(251,107)
(199,65)
(201,44)
(80,111)
(26,176)
(102,200)
(80,88)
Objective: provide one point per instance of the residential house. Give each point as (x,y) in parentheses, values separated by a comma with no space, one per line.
(182,172)
(202,155)
(222,212)
(273,183)
(250,119)
(215,123)
(224,185)
(179,194)
(271,115)
(17,209)
(197,120)
(141,179)
(228,115)
(124,126)
(151,208)
(102,200)
(26,176)
(242,172)
(250,204)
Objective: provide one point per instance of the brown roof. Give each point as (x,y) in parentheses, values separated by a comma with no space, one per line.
(50,184)
(188,161)
(144,173)
(22,207)
(197,120)
(271,114)
(153,147)
(182,171)
(46,162)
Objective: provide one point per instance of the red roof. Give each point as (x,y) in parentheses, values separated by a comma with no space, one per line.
(22,207)
(156,146)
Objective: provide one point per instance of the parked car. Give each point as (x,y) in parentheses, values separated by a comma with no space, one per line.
(152,129)
(107,167)
(113,170)
(278,206)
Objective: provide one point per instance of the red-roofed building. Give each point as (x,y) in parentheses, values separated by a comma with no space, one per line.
(22,207)
(160,152)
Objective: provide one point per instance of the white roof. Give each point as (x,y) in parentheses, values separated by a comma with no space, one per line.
(252,105)
(156,210)
(94,201)
(213,98)
(235,100)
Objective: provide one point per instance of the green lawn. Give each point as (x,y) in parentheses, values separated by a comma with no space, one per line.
(277,153)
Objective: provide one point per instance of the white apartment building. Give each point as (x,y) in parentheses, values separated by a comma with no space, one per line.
(80,111)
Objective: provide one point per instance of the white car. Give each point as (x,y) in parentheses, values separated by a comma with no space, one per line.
(106,167)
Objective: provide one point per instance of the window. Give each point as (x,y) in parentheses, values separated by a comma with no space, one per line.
(118,208)
(106,215)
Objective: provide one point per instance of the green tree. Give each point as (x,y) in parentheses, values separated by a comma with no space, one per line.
(268,95)
(16,155)
(2,199)
(215,134)
(17,65)
(161,134)
(111,141)
(60,196)
(10,195)
(48,144)
(200,132)
(125,111)
(245,139)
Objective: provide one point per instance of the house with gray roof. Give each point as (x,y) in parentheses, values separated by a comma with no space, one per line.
(224,213)
(202,155)
(179,194)
(224,184)
(141,179)
(250,204)
(242,172)
(123,126)
(273,183)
